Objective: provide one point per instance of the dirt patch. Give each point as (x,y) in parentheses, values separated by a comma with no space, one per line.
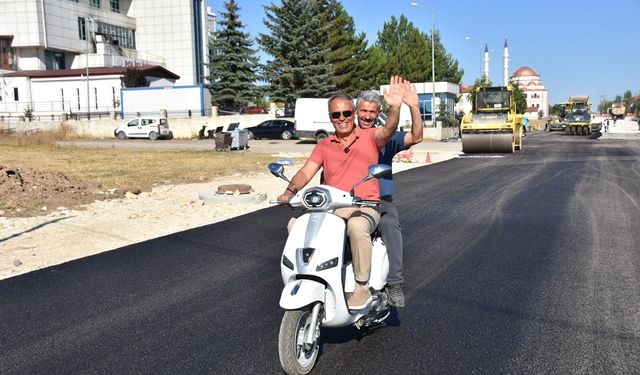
(28,192)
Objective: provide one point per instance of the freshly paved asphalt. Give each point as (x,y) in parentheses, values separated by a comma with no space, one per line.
(522,264)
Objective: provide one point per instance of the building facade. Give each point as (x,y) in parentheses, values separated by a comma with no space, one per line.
(77,41)
(533,88)
(57,34)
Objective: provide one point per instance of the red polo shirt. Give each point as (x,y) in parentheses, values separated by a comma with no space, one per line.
(344,168)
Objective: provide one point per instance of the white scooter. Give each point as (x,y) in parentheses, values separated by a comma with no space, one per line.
(318,274)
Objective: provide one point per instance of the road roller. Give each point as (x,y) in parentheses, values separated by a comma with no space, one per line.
(493,126)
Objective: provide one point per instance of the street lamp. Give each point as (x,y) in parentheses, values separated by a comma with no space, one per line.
(87,36)
(433,60)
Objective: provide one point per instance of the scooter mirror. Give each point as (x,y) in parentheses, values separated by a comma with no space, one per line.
(379,170)
(375,171)
(277,170)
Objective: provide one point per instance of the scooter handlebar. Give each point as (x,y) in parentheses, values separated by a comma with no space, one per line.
(366,203)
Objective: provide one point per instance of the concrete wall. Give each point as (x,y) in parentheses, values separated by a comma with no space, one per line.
(182,128)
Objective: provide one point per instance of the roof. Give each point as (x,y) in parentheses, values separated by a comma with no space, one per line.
(465,89)
(148,70)
(524,71)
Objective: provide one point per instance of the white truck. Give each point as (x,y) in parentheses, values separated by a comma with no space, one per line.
(312,118)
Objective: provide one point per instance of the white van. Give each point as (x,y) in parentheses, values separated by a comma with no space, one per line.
(152,127)
(312,118)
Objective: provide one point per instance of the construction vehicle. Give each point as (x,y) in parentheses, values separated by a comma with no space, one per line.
(493,125)
(617,111)
(577,119)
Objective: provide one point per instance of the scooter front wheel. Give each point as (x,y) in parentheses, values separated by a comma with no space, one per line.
(297,356)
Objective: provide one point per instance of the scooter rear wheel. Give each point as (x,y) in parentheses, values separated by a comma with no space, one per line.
(295,357)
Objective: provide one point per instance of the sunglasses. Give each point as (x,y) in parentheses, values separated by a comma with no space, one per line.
(346,114)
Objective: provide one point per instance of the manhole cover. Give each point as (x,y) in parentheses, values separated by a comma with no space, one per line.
(231,189)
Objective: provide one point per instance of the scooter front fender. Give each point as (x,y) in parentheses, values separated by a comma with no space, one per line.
(300,293)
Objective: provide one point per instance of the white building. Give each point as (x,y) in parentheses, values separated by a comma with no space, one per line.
(56,34)
(533,88)
(59,35)
(446,93)
(65,90)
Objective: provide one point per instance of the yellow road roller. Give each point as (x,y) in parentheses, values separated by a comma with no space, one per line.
(493,126)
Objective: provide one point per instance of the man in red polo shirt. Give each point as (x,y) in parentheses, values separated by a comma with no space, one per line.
(345,158)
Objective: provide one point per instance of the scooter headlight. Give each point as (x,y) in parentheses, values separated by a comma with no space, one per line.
(315,198)
(326,265)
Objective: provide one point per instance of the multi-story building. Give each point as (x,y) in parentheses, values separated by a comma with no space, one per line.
(86,36)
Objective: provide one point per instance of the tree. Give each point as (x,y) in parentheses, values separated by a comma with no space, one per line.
(233,65)
(627,99)
(375,67)
(133,78)
(446,66)
(408,53)
(297,45)
(604,106)
(347,51)
(406,49)
(519,98)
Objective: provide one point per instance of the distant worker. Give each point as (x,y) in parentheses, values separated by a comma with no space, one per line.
(525,121)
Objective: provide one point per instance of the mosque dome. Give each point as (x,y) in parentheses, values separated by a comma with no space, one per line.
(524,71)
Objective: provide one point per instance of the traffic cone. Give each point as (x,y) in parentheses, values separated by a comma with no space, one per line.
(428,158)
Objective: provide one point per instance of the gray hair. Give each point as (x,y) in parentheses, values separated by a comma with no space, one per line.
(369,97)
(339,96)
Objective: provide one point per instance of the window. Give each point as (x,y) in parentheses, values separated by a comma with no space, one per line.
(95,96)
(115,5)
(120,36)
(16,98)
(5,52)
(78,97)
(54,60)
(95,3)
(62,98)
(82,30)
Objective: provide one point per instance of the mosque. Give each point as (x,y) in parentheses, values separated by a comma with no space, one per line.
(527,79)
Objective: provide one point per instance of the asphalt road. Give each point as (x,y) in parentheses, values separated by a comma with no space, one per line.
(517,264)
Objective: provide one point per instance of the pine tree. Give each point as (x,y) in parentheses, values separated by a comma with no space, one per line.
(347,51)
(375,68)
(519,98)
(297,45)
(233,63)
(406,50)
(408,53)
(446,66)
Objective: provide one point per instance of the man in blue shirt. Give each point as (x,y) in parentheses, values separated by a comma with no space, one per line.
(368,109)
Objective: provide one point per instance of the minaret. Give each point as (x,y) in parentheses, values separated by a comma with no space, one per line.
(505,65)
(486,61)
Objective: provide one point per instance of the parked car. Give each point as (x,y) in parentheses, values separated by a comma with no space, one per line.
(254,110)
(152,127)
(274,129)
